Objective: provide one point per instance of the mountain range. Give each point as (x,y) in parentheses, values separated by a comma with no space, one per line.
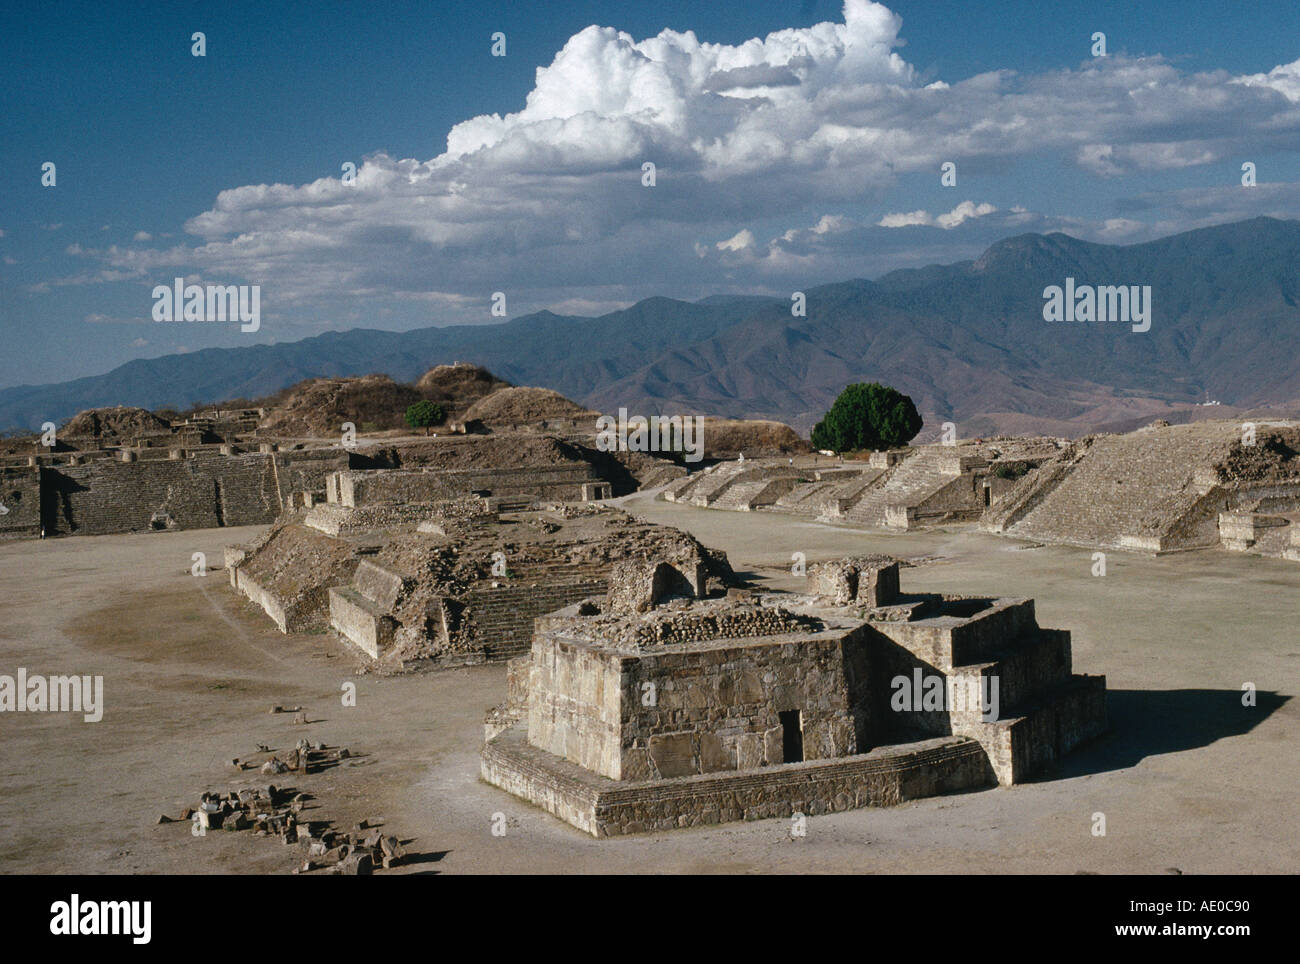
(967,341)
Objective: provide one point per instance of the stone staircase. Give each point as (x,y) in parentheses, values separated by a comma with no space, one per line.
(808,498)
(680,490)
(906,484)
(1136,491)
(660,475)
(713,483)
(360,611)
(745,496)
(1042,710)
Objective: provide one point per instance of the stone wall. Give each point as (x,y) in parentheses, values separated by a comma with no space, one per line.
(603,808)
(695,709)
(720,708)
(504,615)
(363,487)
(575,703)
(307,470)
(863,580)
(290,572)
(978,632)
(193,493)
(20,497)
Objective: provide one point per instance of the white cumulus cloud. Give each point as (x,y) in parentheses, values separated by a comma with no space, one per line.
(547,202)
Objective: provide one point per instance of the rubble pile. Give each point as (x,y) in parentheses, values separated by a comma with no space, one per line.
(269,810)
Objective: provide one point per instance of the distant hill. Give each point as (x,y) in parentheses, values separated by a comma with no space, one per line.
(567,354)
(967,341)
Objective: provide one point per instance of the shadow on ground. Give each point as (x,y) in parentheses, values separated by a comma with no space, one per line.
(1146,723)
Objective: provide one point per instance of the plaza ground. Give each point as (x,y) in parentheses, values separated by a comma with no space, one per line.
(1187,778)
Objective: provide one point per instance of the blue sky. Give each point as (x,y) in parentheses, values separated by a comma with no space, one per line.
(809,156)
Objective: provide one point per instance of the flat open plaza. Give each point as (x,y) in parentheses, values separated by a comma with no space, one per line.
(1186,777)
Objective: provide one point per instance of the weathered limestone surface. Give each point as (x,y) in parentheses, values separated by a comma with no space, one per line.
(20,495)
(683,712)
(357,487)
(1160,489)
(885,776)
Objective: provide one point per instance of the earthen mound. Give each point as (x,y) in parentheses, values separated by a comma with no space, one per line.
(458,386)
(122,421)
(1274,457)
(727,438)
(523,406)
(318,407)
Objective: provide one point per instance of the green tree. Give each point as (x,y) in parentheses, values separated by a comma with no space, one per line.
(425,413)
(867,416)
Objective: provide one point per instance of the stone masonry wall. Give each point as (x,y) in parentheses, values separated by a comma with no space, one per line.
(504,615)
(603,808)
(691,711)
(554,482)
(575,703)
(201,492)
(20,496)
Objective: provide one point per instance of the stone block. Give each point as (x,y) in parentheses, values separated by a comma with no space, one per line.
(749,751)
(774,745)
(715,754)
(673,754)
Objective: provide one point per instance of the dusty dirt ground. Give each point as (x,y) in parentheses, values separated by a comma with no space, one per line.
(1188,778)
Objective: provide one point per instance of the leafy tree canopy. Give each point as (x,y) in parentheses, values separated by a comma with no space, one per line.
(425,413)
(867,416)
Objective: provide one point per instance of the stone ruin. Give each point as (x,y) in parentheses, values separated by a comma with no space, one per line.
(1163,488)
(464,583)
(902,489)
(268,810)
(626,717)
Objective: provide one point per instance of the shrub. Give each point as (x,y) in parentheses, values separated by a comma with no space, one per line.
(425,413)
(867,416)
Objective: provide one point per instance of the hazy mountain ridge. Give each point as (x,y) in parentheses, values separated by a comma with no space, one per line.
(967,341)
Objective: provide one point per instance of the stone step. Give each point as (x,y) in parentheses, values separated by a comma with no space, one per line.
(1129,489)
(739,497)
(908,483)
(1064,717)
(360,620)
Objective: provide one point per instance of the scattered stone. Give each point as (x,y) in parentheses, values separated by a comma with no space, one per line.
(356,865)
(269,811)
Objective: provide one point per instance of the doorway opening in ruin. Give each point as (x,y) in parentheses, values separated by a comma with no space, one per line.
(791,736)
(988,496)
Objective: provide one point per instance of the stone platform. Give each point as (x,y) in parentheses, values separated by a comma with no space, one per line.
(603,807)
